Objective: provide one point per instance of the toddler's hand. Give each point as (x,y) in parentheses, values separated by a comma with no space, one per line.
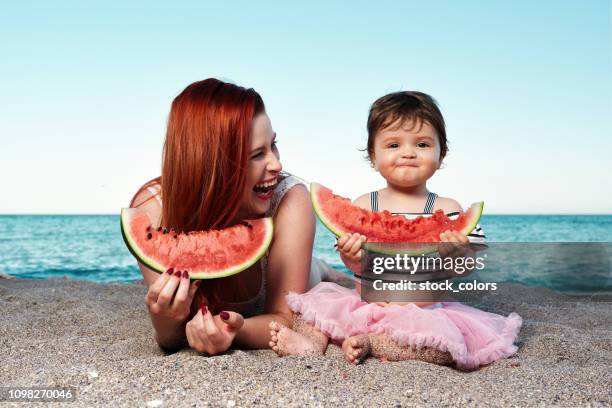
(453,244)
(349,246)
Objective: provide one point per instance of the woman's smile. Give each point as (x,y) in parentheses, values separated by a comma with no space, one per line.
(265,189)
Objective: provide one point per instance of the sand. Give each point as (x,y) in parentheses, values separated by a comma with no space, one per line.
(98,339)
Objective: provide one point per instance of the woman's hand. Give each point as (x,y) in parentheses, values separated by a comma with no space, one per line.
(170,296)
(349,246)
(453,244)
(213,334)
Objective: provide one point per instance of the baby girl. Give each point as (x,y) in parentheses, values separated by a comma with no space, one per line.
(406,145)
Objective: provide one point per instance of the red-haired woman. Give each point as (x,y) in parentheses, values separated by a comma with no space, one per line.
(220,166)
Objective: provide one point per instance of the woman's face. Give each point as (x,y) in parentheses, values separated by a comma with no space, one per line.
(263,168)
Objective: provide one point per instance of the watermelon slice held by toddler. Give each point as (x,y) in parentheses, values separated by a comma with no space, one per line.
(204,254)
(388,233)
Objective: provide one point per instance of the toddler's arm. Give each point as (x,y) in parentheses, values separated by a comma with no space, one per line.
(349,245)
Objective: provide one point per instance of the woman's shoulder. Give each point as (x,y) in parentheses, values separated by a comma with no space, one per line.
(148,199)
(294,217)
(294,197)
(285,189)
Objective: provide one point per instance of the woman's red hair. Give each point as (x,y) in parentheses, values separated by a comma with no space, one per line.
(205,155)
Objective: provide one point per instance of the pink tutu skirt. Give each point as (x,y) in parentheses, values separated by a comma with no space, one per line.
(471,336)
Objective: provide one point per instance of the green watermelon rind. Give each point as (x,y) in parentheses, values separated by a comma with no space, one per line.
(477,209)
(132,245)
(157,267)
(314,189)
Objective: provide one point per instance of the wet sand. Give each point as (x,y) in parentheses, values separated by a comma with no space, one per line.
(98,339)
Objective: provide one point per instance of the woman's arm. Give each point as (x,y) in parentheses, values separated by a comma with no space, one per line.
(168,316)
(288,266)
(168,296)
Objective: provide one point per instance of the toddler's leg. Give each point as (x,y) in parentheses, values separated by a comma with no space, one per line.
(356,348)
(303,340)
(385,348)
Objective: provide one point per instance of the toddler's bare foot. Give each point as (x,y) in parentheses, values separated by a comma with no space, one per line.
(286,342)
(386,349)
(356,348)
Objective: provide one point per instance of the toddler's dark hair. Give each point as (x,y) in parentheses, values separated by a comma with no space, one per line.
(406,106)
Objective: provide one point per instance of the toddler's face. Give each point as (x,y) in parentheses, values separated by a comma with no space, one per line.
(407,155)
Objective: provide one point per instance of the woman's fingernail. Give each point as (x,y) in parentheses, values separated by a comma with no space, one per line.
(204,309)
(170,271)
(224,315)
(185,274)
(177,274)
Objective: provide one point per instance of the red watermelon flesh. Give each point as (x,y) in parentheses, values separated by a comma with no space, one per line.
(340,216)
(204,254)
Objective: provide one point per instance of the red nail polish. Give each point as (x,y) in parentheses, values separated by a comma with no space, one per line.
(170,271)
(224,315)
(204,309)
(185,274)
(177,274)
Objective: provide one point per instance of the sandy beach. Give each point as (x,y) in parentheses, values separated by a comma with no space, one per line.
(98,339)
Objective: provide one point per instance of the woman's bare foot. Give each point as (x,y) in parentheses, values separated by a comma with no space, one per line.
(286,342)
(356,348)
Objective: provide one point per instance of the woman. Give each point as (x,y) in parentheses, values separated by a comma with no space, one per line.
(220,166)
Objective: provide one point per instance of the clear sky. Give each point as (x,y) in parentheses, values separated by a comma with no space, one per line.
(525,87)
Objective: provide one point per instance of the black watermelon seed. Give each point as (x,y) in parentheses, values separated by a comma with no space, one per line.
(165,231)
(149,235)
(159,229)
(175,236)
(148,228)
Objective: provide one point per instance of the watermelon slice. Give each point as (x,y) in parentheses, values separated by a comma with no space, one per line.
(204,254)
(388,233)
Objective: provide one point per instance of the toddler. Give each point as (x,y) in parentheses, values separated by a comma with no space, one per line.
(406,145)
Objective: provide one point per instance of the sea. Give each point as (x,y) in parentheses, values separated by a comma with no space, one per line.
(90,247)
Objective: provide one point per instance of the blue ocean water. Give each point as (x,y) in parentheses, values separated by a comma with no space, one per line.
(90,247)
